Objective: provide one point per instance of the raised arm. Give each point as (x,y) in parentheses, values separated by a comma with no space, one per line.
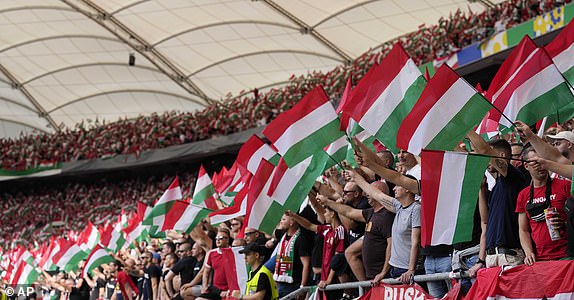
(543,149)
(343,209)
(482,147)
(302,221)
(556,167)
(367,158)
(384,199)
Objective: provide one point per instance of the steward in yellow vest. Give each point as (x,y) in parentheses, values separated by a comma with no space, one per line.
(260,284)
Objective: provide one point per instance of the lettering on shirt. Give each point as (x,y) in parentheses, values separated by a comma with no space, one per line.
(542,199)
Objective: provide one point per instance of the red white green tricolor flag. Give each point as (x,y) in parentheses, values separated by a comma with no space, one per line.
(204,192)
(89,237)
(253,151)
(156,217)
(112,236)
(561,50)
(184,216)
(97,257)
(447,109)
(69,256)
(305,129)
(450,182)
(25,273)
(528,86)
(386,95)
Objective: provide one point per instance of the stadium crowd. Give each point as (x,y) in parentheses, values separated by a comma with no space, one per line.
(359,224)
(251,109)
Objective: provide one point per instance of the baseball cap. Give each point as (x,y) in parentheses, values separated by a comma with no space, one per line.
(563,135)
(253,247)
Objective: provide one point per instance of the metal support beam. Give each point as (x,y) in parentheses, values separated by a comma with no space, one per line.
(307,29)
(140,45)
(41,110)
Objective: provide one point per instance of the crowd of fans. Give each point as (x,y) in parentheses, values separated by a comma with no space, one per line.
(359,224)
(252,109)
(34,214)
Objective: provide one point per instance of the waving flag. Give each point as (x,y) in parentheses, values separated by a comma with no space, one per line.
(97,257)
(305,129)
(112,236)
(69,256)
(253,151)
(447,109)
(156,216)
(184,216)
(89,237)
(384,97)
(204,193)
(561,50)
(528,86)
(450,182)
(239,208)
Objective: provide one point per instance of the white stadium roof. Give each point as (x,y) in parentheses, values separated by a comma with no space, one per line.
(63,61)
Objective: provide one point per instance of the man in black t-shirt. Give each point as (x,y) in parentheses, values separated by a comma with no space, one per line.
(183,268)
(377,239)
(152,273)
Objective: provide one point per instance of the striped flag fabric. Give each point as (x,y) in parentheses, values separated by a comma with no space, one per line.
(112,236)
(156,216)
(204,192)
(251,153)
(276,189)
(305,129)
(540,281)
(25,273)
(447,109)
(450,182)
(386,95)
(184,216)
(239,208)
(89,238)
(69,255)
(97,257)
(46,262)
(337,151)
(561,50)
(528,86)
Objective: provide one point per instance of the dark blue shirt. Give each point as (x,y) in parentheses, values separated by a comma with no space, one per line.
(502,227)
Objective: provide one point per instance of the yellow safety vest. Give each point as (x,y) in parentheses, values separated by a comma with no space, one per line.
(252,283)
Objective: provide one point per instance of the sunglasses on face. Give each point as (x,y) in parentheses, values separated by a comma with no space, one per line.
(219,238)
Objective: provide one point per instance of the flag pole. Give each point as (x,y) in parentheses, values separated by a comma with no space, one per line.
(498,110)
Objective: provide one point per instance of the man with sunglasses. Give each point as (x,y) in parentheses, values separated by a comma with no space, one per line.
(184,268)
(215,263)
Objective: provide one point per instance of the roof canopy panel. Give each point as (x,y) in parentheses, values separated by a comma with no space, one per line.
(63,61)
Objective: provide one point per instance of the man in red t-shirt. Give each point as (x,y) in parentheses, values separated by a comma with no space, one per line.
(532,225)
(123,281)
(217,261)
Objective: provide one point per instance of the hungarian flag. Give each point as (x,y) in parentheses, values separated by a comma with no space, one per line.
(253,151)
(239,208)
(136,230)
(46,262)
(112,237)
(561,50)
(276,189)
(337,151)
(204,192)
(543,280)
(528,86)
(386,95)
(305,129)
(447,109)
(25,272)
(450,182)
(97,257)
(156,216)
(69,255)
(184,216)
(89,237)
